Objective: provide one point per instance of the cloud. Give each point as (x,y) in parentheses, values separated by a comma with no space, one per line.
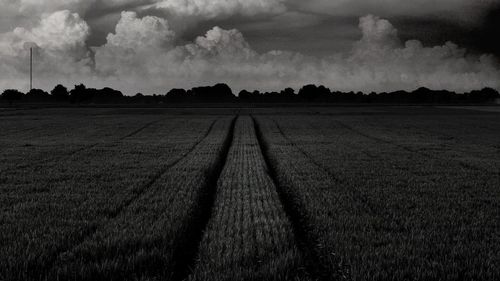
(135,46)
(221,8)
(135,33)
(60,31)
(40,6)
(464,11)
(379,61)
(144,54)
(131,53)
(221,44)
(15,13)
(377,32)
(59,42)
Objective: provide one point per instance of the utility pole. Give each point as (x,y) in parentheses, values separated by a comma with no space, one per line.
(31,68)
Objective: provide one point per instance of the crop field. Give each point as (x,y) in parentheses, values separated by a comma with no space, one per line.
(309,193)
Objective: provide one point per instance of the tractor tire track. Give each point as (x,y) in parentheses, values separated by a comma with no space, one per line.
(314,264)
(147,125)
(297,219)
(247,200)
(19,131)
(358,194)
(160,173)
(186,255)
(78,150)
(112,215)
(407,149)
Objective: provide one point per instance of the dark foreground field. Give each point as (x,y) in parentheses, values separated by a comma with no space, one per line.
(340,193)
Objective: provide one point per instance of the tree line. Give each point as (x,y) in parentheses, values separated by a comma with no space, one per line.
(80,94)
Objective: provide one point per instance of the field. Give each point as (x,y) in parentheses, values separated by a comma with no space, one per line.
(312,193)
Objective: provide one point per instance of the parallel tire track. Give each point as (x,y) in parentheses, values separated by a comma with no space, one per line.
(137,193)
(405,148)
(147,125)
(314,264)
(377,210)
(356,194)
(359,195)
(161,172)
(247,200)
(78,150)
(186,254)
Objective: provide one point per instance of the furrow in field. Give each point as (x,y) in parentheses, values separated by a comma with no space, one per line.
(355,193)
(137,192)
(297,192)
(68,153)
(156,236)
(249,236)
(185,253)
(91,146)
(62,205)
(426,210)
(433,156)
(139,130)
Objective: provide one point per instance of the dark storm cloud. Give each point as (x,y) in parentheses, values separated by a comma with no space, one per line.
(153,45)
(487,33)
(464,11)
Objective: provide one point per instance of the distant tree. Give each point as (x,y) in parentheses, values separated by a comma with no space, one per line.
(60,93)
(288,92)
(254,96)
(79,94)
(313,92)
(421,95)
(484,95)
(12,95)
(217,93)
(177,95)
(37,95)
(244,94)
(106,95)
(308,92)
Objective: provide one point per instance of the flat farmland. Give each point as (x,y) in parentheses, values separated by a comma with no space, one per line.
(306,193)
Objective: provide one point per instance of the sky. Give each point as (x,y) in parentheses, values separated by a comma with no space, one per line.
(152,46)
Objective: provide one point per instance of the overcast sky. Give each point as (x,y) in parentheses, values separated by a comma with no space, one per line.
(151,46)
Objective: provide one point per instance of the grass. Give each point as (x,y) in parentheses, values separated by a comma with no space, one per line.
(390,205)
(54,205)
(249,236)
(149,237)
(345,193)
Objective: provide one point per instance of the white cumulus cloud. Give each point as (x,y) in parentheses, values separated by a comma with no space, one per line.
(379,61)
(135,46)
(144,54)
(59,43)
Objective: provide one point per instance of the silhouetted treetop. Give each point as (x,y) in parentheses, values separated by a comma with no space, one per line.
(11,95)
(60,93)
(220,92)
(223,93)
(37,95)
(313,92)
